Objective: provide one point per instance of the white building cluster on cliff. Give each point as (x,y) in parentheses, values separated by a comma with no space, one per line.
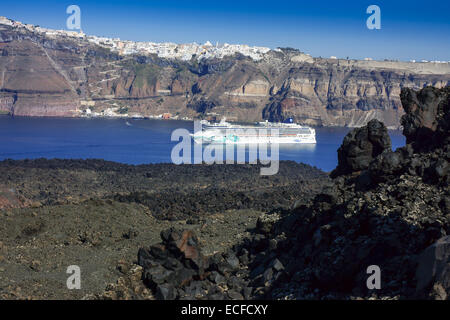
(164,50)
(167,50)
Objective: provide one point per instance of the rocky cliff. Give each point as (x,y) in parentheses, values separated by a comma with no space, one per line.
(64,76)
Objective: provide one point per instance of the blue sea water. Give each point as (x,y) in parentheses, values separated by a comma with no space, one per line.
(136,141)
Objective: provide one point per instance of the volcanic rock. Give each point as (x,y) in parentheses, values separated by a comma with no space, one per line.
(177,269)
(427,119)
(361,146)
(383,208)
(433,271)
(177,260)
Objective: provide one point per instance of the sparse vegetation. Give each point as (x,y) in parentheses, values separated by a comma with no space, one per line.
(146,74)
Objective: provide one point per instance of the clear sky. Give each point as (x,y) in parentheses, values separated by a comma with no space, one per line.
(409,29)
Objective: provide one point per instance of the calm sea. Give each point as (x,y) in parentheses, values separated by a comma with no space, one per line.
(136,141)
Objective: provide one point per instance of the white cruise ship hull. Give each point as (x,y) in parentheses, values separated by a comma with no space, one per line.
(225,135)
(246,140)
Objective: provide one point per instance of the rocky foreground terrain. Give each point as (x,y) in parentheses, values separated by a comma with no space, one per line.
(96,214)
(384,208)
(224,232)
(58,75)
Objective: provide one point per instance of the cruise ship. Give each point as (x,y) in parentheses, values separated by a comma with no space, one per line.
(261,132)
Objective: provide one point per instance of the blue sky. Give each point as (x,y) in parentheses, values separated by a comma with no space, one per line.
(409,29)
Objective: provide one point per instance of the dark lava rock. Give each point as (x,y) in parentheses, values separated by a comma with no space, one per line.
(169,191)
(174,263)
(267,275)
(216,277)
(277,265)
(247,292)
(234,295)
(361,146)
(384,166)
(165,292)
(433,271)
(232,260)
(427,119)
(382,208)
(177,269)
(243,257)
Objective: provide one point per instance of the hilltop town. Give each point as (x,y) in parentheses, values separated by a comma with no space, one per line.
(167,50)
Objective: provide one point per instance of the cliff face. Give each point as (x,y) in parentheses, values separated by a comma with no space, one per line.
(62,76)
